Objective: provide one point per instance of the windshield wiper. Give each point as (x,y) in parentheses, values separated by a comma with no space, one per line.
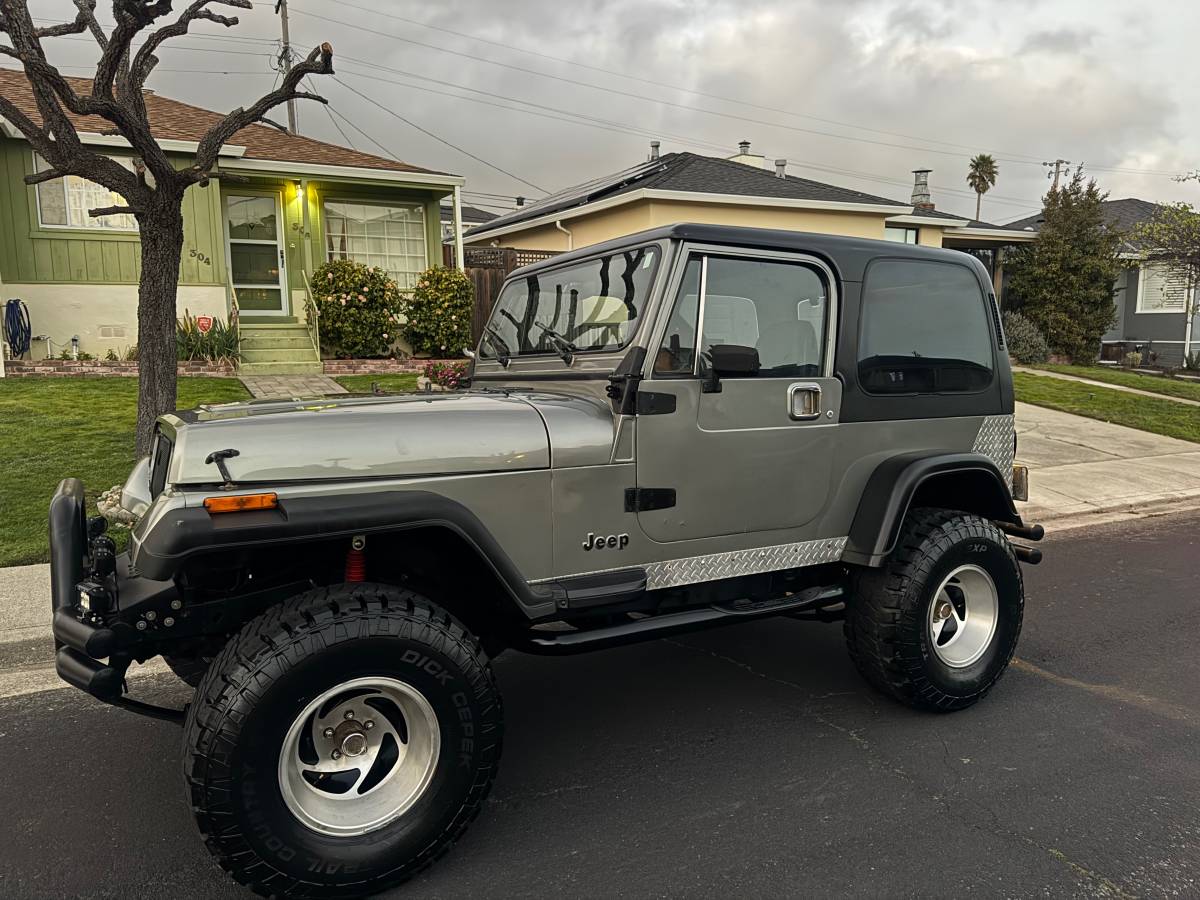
(565,347)
(503,354)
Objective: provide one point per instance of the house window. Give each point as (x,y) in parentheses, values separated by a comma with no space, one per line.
(390,237)
(900,235)
(1160,290)
(64,202)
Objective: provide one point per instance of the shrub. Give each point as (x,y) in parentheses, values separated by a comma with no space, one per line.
(1132,359)
(1025,343)
(218,344)
(358,307)
(439,312)
(447,375)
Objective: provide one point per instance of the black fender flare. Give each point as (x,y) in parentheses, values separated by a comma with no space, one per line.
(192,531)
(890,490)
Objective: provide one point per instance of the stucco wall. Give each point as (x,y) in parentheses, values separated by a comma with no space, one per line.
(631,217)
(64,310)
(929,236)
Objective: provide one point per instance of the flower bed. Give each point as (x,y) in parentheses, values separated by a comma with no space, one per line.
(380,366)
(128,367)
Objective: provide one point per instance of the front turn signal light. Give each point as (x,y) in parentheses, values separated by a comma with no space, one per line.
(241,503)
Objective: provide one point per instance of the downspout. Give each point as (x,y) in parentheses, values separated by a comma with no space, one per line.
(459,254)
(570,237)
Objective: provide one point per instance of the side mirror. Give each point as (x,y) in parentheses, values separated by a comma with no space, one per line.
(727,361)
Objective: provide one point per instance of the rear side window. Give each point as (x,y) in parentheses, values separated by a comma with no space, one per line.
(924,329)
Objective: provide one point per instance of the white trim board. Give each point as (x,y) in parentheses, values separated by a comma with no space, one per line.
(284,169)
(584,209)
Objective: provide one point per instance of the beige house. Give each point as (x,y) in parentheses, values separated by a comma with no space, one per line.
(739,190)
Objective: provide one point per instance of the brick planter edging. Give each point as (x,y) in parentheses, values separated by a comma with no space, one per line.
(409,366)
(124,367)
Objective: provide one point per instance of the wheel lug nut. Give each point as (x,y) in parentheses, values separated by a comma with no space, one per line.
(337,754)
(349,714)
(328,732)
(369,724)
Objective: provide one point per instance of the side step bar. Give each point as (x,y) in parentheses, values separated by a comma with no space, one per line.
(653,627)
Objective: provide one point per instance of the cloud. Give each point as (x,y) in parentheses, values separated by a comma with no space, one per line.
(1059,40)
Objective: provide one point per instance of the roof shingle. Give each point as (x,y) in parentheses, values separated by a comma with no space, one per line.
(175,120)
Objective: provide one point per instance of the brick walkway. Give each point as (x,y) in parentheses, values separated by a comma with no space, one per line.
(288,387)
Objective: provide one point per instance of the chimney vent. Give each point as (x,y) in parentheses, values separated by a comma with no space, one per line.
(520,202)
(781,168)
(743,147)
(654,145)
(921,198)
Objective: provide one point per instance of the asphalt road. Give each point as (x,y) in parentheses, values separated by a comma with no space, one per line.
(746,762)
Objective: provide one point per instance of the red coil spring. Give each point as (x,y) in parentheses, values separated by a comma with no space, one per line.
(356,565)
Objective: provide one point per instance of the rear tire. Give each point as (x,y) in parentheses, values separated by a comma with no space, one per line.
(294,793)
(936,626)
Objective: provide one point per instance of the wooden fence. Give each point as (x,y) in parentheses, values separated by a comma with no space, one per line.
(487,267)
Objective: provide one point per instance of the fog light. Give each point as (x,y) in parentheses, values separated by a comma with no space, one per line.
(94,598)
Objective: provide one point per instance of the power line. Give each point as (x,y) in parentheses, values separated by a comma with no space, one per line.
(643,98)
(442,140)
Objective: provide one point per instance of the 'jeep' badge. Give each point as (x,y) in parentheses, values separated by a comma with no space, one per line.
(605,542)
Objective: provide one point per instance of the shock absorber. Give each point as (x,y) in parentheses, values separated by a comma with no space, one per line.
(356,559)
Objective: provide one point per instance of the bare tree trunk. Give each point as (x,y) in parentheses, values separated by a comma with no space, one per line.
(978,202)
(162,246)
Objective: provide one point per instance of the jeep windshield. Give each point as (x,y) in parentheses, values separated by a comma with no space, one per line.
(589,306)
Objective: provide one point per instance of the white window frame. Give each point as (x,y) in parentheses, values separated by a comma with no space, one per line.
(1140,309)
(916,233)
(386,205)
(38,164)
(285,300)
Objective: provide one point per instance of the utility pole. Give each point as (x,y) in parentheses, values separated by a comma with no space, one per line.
(285,59)
(1059,165)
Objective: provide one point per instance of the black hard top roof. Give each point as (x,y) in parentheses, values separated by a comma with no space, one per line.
(847,255)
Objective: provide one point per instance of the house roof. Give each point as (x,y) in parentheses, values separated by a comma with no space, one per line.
(691,173)
(469,214)
(175,120)
(1120,214)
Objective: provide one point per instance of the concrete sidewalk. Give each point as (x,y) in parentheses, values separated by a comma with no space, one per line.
(1081,466)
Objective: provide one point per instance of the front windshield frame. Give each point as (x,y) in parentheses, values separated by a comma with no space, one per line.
(488,343)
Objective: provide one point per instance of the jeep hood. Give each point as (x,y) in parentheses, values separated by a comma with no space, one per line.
(359,437)
(387,437)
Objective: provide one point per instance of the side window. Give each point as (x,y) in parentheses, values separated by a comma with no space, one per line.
(773,312)
(924,329)
(677,355)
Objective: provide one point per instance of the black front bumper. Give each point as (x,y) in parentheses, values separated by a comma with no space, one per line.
(93,653)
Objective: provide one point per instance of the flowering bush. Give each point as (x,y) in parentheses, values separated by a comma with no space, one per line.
(447,375)
(358,308)
(439,312)
(1025,342)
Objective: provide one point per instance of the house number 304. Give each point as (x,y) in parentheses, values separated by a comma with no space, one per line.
(196,254)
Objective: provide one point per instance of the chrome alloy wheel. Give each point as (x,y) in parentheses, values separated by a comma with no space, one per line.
(359,756)
(963,616)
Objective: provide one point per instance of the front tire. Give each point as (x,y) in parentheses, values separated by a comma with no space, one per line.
(936,626)
(294,793)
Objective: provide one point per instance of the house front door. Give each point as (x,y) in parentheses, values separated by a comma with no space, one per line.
(253,229)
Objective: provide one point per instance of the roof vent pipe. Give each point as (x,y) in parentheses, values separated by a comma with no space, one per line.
(743,147)
(654,145)
(520,202)
(781,168)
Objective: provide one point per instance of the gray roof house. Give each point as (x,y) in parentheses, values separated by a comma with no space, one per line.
(1150,302)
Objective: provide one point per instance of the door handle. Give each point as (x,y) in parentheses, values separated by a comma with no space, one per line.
(804,401)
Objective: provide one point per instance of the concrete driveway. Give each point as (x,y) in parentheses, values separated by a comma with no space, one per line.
(1080,466)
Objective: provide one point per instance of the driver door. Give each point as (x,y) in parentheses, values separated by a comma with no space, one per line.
(747,447)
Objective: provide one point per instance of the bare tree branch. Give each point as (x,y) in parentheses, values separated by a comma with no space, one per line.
(145,60)
(318,62)
(87,8)
(44,175)
(112,211)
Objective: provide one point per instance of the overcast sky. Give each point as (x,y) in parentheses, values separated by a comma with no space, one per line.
(856,92)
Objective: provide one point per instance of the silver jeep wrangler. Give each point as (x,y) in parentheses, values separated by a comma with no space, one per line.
(688,427)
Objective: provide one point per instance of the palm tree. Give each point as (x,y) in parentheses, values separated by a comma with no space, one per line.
(981,176)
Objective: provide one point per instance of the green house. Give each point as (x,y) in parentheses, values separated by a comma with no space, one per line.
(287,204)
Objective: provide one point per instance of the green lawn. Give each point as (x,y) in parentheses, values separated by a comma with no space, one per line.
(52,428)
(361,384)
(1172,387)
(1178,420)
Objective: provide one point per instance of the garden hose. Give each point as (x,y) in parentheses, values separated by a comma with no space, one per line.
(16,328)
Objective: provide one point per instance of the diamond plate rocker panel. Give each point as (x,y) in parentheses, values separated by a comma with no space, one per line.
(695,569)
(995,441)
